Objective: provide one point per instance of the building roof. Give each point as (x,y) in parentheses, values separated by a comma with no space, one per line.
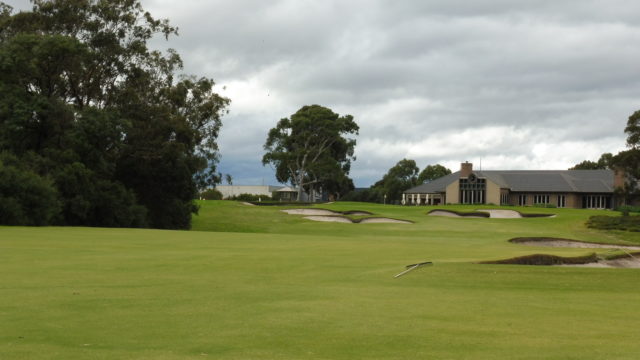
(581,181)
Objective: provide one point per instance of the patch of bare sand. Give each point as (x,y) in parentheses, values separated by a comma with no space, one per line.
(248,203)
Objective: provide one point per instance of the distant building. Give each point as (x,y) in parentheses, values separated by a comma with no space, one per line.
(592,189)
(285,193)
(229,191)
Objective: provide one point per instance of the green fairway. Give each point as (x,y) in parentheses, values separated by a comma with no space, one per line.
(251,282)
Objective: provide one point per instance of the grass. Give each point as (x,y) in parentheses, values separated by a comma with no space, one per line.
(252,282)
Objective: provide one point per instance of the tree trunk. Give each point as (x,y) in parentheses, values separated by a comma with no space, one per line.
(300,186)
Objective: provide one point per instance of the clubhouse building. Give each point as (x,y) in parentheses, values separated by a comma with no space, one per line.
(590,189)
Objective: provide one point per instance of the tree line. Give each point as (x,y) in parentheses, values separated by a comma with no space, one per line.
(404,175)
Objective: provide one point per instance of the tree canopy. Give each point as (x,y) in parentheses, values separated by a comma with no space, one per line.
(604,163)
(311,149)
(400,177)
(105,121)
(432,172)
(633,130)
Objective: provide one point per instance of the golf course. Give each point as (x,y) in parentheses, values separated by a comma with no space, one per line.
(254,282)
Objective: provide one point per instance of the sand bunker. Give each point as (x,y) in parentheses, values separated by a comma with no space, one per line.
(325,212)
(557,242)
(449,213)
(340,219)
(309,212)
(343,219)
(626,260)
(503,214)
(591,260)
(486,213)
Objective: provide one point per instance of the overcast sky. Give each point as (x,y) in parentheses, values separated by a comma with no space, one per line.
(514,84)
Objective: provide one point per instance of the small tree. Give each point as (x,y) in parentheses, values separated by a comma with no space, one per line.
(302,148)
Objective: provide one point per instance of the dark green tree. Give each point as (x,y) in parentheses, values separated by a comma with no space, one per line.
(432,172)
(633,130)
(125,141)
(26,198)
(311,148)
(399,178)
(605,162)
(628,161)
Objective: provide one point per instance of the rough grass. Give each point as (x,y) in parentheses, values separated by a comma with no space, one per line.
(255,283)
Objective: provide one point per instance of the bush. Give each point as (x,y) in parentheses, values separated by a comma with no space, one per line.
(211,194)
(626,209)
(626,223)
(26,198)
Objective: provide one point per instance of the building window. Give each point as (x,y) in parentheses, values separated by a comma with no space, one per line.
(540,199)
(562,201)
(522,200)
(472,190)
(504,199)
(596,202)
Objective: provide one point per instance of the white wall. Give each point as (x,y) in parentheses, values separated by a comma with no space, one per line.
(235,190)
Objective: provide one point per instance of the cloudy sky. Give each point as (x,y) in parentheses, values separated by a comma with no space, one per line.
(513,84)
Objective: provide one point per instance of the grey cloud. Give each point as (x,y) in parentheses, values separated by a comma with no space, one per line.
(538,73)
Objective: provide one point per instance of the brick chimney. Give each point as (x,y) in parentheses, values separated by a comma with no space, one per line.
(619,178)
(466,168)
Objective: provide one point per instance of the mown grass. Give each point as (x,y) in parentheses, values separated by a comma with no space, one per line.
(252,282)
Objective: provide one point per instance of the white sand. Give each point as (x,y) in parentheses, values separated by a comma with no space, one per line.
(339,219)
(502,214)
(617,263)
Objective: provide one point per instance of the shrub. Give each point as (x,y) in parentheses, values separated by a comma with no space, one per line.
(211,194)
(626,209)
(26,198)
(627,223)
